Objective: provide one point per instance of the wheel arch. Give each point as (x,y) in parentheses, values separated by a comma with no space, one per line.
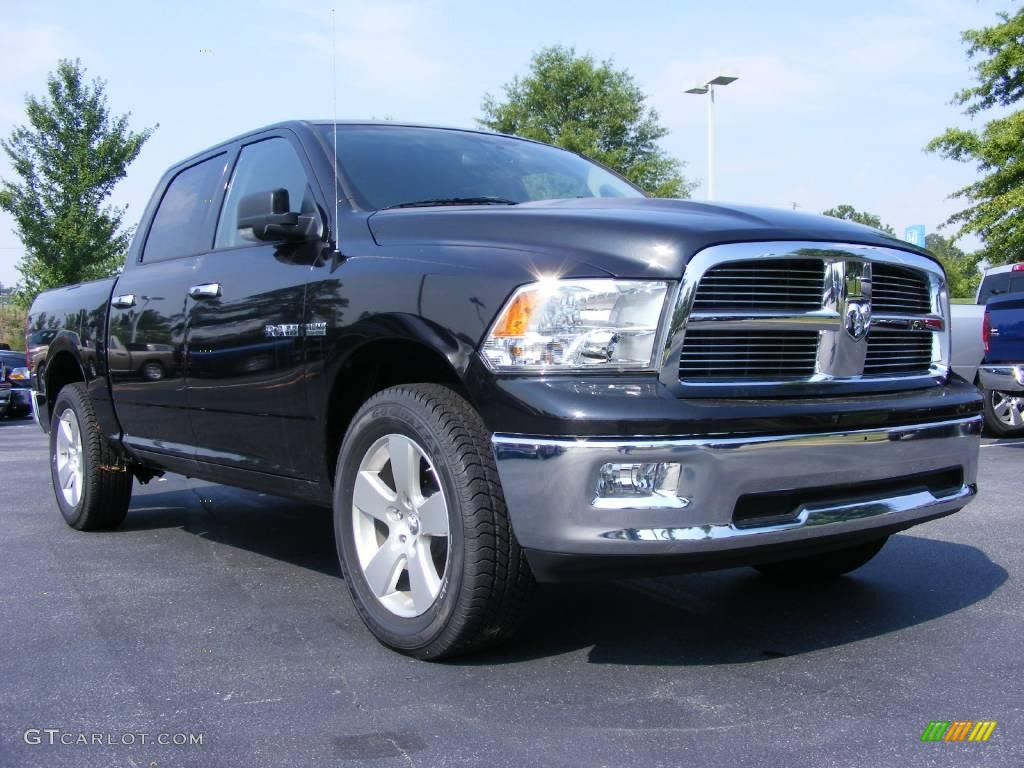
(62,368)
(371,367)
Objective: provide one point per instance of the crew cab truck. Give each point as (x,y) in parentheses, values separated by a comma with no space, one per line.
(1002,370)
(500,363)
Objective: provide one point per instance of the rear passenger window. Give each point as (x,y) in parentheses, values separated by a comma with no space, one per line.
(262,167)
(183,224)
(994,285)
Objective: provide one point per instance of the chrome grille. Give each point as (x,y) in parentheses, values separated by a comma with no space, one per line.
(752,354)
(899,291)
(895,353)
(776,317)
(795,284)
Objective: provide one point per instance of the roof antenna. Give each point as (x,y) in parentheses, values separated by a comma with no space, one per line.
(334,66)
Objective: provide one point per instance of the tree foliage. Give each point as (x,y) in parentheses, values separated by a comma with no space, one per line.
(591,108)
(68,158)
(849,213)
(962,273)
(995,210)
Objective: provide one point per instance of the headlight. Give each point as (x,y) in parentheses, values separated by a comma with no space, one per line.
(20,374)
(578,324)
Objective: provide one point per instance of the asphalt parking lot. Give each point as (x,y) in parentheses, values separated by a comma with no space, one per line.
(219,612)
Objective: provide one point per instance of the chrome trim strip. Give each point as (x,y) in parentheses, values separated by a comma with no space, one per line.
(817,320)
(876,434)
(810,516)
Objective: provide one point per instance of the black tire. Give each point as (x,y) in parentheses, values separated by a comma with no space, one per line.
(106,489)
(487,581)
(826,565)
(996,426)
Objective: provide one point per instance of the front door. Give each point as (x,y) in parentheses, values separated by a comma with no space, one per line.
(246,328)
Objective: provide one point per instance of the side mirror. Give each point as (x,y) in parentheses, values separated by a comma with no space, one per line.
(269,217)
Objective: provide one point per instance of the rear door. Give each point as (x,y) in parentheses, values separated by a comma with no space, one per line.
(146,332)
(246,314)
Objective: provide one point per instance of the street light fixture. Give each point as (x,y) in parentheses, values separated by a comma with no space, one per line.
(709,89)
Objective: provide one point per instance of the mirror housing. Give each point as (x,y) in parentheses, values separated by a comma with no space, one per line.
(269,217)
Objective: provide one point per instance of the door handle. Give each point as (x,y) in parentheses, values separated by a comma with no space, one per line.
(205,291)
(123,302)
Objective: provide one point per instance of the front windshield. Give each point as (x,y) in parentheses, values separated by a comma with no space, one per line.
(394,165)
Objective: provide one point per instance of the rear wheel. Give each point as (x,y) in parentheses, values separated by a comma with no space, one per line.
(826,565)
(1004,413)
(152,371)
(421,526)
(92,486)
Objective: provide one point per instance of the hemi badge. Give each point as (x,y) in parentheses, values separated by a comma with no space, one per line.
(316,329)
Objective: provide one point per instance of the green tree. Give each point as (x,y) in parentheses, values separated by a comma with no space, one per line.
(68,159)
(961,268)
(849,213)
(591,108)
(995,210)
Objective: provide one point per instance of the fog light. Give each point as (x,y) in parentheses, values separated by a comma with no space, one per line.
(647,484)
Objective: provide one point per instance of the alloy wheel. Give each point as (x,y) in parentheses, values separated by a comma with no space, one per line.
(1008,408)
(70,459)
(400,525)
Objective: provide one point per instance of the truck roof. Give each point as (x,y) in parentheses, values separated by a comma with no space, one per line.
(308,125)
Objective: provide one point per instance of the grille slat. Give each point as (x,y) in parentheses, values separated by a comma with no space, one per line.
(758,354)
(898,290)
(753,285)
(898,352)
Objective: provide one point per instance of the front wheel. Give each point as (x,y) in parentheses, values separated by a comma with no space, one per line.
(1004,413)
(826,565)
(92,486)
(420,522)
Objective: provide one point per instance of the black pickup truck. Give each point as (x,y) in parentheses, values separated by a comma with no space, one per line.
(501,363)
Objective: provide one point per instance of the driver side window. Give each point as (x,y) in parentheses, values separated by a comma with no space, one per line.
(263,166)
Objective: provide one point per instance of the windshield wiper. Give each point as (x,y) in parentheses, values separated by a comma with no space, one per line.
(454,201)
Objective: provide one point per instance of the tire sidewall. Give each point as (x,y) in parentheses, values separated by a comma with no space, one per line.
(65,401)
(392,416)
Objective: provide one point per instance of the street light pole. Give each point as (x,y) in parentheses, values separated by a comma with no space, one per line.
(709,89)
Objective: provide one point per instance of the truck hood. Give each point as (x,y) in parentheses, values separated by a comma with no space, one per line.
(634,237)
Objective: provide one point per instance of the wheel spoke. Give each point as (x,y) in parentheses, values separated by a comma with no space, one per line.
(66,433)
(433,514)
(383,569)
(1015,416)
(405,465)
(75,437)
(64,474)
(372,496)
(74,489)
(424,582)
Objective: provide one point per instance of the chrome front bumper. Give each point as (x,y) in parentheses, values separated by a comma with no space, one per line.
(549,485)
(1002,378)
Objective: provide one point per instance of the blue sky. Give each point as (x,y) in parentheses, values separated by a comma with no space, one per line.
(835,99)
